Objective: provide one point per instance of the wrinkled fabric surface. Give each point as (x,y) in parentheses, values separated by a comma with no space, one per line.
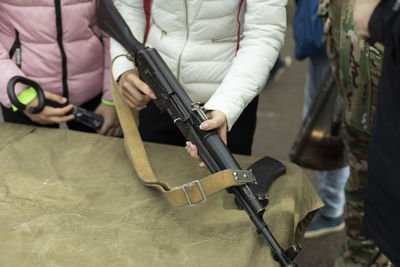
(73,199)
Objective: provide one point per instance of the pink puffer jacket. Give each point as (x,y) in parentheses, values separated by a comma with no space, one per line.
(70,58)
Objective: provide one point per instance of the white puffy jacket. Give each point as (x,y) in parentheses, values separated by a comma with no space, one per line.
(198,40)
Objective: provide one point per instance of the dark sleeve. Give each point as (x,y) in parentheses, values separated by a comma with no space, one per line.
(382,20)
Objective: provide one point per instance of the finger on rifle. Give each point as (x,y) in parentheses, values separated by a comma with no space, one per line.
(203,165)
(217,121)
(132,96)
(222,131)
(213,123)
(192,150)
(132,103)
(54,97)
(142,86)
(141,98)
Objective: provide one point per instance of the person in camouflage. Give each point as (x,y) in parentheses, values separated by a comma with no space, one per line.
(356,65)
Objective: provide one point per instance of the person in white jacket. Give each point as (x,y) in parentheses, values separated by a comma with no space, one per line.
(220,51)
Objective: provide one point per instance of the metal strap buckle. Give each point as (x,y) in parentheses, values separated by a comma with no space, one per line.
(192,204)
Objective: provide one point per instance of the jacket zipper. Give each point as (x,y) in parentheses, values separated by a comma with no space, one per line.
(184,45)
(61,46)
(16,48)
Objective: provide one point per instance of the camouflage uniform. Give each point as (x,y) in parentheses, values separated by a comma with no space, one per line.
(356,65)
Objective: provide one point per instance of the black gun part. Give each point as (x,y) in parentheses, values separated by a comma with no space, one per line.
(188,116)
(83,116)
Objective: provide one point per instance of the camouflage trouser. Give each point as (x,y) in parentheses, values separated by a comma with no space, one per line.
(359,249)
(356,65)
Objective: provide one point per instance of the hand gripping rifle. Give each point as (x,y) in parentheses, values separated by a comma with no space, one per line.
(188,116)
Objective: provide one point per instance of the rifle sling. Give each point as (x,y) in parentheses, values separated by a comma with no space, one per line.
(191,193)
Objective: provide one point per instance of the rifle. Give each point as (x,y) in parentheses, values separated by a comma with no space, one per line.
(188,116)
(319,144)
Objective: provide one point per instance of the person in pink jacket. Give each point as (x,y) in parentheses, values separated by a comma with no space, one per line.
(58,45)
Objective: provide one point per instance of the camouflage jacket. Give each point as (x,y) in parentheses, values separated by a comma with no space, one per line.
(356,64)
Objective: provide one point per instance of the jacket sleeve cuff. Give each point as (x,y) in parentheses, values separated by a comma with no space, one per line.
(108,103)
(231,112)
(121,64)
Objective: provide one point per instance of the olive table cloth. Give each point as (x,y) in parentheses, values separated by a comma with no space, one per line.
(73,199)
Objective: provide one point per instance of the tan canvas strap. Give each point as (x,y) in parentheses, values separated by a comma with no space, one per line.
(192,193)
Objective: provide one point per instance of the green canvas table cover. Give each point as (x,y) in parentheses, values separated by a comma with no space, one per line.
(73,199)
